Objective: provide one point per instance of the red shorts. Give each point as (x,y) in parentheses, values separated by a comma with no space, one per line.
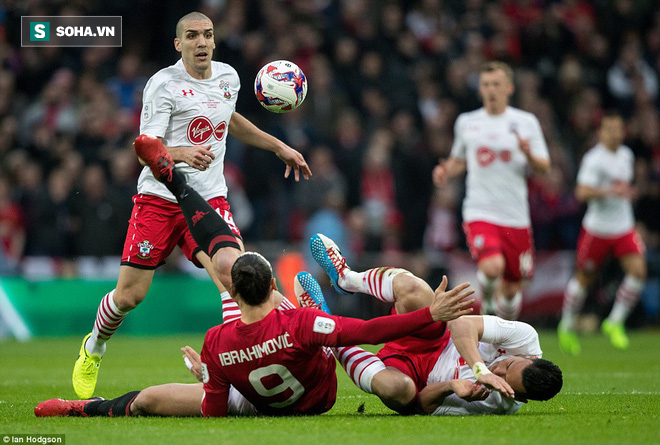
(415,355)
(592,249)
(515,245)
(157,225)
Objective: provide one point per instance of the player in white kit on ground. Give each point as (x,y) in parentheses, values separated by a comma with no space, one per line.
(496,144)
(604,182)
(441,376)
(190,106)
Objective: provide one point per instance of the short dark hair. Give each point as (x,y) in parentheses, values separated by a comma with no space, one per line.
(190,16)
(612,113)
(542,380)
(251,275)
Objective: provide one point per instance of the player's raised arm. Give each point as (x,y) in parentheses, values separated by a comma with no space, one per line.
(248,133)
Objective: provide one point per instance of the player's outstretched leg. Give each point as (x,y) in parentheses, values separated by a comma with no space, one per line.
(208,229)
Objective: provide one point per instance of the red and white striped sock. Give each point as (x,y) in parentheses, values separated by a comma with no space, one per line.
(230,310)
(626,298)
(574,297)
(286,305)
(377,282)
(108,320)
(360,365)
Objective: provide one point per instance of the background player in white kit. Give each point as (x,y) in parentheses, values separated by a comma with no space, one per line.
(496,144)
(608,227)
(191,106)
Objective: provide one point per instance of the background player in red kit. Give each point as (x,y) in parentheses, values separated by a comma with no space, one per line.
(190,106)
(496,144)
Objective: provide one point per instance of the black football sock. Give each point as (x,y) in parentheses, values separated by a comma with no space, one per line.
(177,185)
(119,407)
(207,228)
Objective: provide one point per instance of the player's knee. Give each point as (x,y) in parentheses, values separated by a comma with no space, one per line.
(223,260)
(128,299)
(398,391)
(492,267)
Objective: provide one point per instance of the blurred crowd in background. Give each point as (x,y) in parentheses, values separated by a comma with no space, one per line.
(386,82)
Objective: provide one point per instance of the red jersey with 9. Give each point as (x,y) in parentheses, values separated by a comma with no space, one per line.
(276,363)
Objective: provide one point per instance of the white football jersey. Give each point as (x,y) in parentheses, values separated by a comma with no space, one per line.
(496,184)
(601,168)
(522,340)
(185,111)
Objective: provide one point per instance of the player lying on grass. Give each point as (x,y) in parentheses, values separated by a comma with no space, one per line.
(439,376)
(267,361)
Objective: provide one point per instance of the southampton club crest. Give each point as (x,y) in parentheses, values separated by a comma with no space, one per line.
(224,86)
(144,250)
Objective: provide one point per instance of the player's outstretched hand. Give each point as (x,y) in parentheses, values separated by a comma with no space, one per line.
(193,361)
(453,303)
(470,391)
(496,383)
(294,161)
(198,157)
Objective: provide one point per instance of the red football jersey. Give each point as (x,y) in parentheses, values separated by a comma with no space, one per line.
(279,364)
(276,363)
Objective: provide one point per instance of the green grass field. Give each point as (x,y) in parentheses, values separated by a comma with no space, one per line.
(609,396)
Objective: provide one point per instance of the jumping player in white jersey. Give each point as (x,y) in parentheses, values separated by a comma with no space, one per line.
(419,374)
(496,144)
(608,227)
(190,107)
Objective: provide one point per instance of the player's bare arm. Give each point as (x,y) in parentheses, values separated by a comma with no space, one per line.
(432,396)
(246,132)
(466,333)
(447,169)
(196,156)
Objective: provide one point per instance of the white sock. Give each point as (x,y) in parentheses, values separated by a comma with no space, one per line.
(486,286)
(508,309)
(360,365)
(230,310)
(626,298)
(108,320)
(574,297)
(377,282)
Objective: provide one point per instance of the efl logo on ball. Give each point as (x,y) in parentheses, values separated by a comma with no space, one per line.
(280,86)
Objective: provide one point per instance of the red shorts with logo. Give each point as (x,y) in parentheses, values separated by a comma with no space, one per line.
(157,226)
(514,244)
(592,249)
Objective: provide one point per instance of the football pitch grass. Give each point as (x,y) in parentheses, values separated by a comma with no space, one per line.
(609,397)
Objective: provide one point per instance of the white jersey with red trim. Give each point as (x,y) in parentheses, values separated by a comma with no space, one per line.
(601,168)
(496,168)
(185,111)
(522,340)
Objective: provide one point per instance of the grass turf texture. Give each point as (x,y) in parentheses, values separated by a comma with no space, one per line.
(609,396)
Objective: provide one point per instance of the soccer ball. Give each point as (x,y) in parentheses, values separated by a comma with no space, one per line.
(280,86)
